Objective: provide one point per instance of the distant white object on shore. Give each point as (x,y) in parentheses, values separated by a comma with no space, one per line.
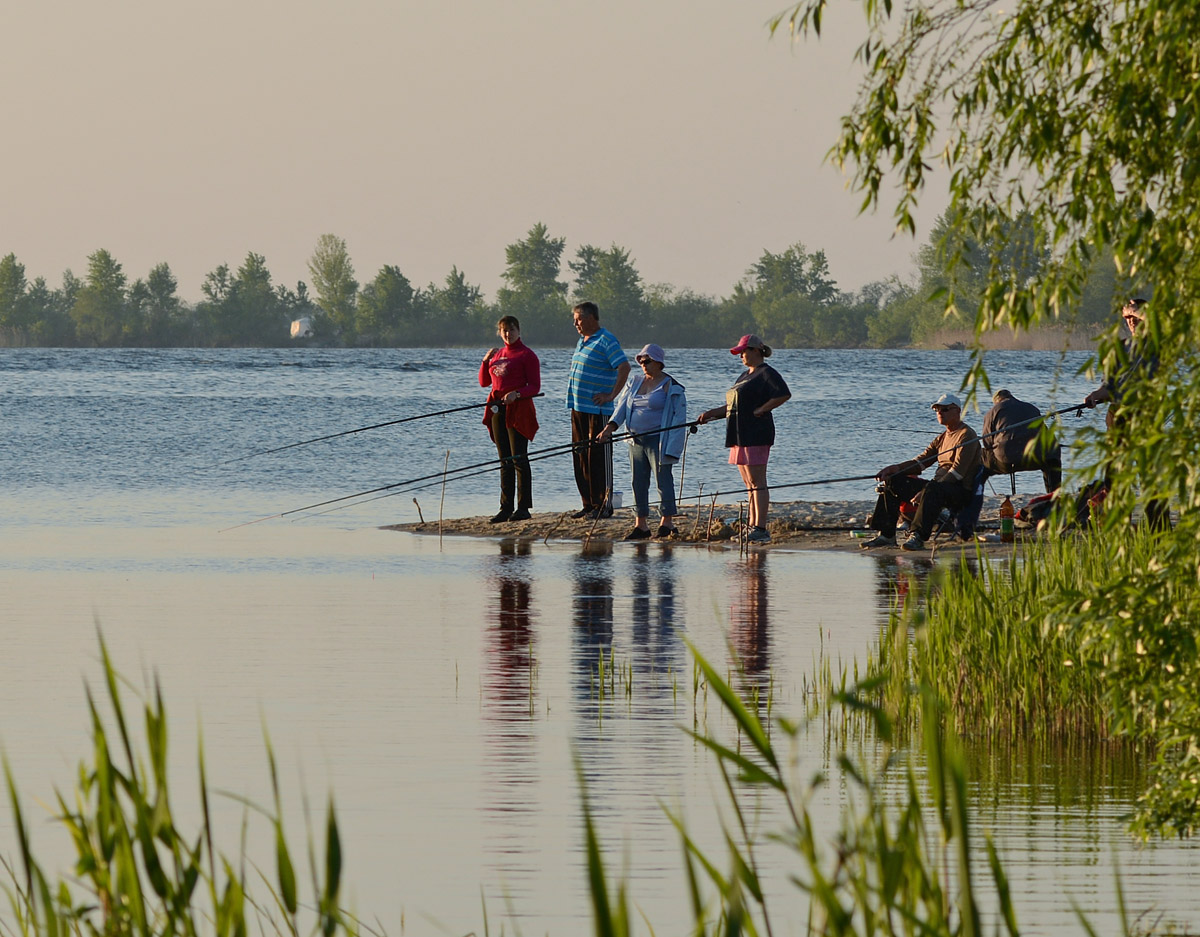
(302,327)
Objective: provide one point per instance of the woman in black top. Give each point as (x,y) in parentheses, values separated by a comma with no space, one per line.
(749,427)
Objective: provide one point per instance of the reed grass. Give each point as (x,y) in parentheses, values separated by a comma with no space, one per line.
(898,866)
(138,874)
(1089,637)
(992,642)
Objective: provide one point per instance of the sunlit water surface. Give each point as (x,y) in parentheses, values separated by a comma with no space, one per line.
(442,691)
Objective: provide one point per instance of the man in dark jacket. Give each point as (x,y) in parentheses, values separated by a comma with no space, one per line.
(1011,442)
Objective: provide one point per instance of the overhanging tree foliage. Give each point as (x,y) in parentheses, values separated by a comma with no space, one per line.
(1082,117)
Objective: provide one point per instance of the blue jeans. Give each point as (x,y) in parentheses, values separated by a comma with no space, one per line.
(644,460)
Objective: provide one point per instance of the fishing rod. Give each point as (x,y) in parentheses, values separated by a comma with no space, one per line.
(858,478)
(361,429)
(1077,409)
(446,473)
(470,471)
(371,491)
(818,481)
(463,472)
(433,484)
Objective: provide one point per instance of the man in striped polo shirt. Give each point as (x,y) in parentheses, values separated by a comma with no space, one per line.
(599,370)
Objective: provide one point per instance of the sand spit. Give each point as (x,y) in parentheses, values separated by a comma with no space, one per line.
(795,525)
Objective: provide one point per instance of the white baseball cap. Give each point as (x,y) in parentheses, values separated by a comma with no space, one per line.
(947,400)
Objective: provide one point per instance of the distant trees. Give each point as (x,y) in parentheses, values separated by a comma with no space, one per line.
(789,297)
(609,279)
(14,305)
(534,293)
(244,308)
(333,279)
(389,309)
(154,308)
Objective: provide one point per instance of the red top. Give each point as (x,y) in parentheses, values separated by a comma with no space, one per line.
(513,367)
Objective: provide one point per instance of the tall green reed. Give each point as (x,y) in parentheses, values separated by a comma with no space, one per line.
(138,874)
(990,640)
(1090,636)
(899,865)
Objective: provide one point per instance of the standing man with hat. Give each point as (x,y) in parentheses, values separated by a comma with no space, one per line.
(957,454)
(599,370)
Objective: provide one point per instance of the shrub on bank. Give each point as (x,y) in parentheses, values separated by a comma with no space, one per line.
(1089,635)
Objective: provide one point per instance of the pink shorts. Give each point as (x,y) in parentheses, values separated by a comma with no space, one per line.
(749,455)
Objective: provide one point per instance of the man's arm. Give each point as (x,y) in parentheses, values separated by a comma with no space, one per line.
(622,376)
(913,466)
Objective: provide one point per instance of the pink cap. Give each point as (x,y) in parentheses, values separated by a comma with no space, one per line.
(746,341)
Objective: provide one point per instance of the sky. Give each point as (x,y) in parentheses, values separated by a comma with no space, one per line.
(429,134)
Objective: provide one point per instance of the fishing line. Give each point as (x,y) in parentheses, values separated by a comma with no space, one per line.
(488,466)
(348,432)
(858,478)
(429,484)
(491,466)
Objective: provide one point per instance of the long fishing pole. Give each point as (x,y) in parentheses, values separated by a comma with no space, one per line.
(465,472)
(458,474)
(859,478)
(371,491)
(361,429)
(978,439)
(432,484)
(490,463)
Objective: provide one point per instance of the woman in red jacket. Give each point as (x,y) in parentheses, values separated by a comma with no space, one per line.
(515,376)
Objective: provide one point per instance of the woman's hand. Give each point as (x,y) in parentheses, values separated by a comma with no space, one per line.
(511,396)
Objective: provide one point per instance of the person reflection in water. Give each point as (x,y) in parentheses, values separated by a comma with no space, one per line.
(749,621)
(592,633)
(657,649)
(509,751)
(509,648)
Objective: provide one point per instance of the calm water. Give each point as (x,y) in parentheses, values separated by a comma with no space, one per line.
(441,690)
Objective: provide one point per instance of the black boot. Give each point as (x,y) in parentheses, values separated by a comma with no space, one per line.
(505,514)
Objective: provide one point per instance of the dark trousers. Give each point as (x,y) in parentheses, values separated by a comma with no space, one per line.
(935,495)
(515,477)
(593,464)
(1050,466)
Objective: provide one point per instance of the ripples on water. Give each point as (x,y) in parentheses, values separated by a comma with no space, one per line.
(441,690)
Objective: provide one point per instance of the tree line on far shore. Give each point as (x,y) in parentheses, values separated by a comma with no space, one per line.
(789,298)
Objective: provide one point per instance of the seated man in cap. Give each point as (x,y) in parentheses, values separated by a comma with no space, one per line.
(956,452)
(1011,442)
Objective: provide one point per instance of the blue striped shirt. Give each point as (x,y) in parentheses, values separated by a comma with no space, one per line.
(594,371)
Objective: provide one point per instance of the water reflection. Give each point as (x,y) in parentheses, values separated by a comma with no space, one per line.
(657,651)
(749,619)
(510,741)
(592,631)
(509,647)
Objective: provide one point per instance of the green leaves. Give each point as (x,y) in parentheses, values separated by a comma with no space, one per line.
(136,874)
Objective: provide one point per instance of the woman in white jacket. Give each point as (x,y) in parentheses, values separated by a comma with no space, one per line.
(647,407)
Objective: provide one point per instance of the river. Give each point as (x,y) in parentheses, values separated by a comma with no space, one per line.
(440,690)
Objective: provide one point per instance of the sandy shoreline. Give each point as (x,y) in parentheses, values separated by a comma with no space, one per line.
(806,525)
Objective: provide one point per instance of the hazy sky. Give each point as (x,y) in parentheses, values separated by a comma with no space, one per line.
(428,133)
